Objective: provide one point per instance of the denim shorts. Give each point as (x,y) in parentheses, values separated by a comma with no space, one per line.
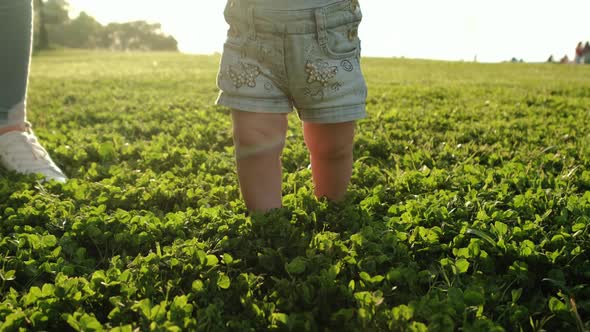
(275,60)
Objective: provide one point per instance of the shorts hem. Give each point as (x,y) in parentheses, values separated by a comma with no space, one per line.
(334,114)
(258,105)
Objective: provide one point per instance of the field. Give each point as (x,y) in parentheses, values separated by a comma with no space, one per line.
(469,208)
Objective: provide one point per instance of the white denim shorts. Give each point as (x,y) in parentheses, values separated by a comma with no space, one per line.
(277,60)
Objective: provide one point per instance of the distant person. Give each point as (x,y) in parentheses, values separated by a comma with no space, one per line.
(295,64)
(564,60)
(551,59)
(579,59)
(587,53)
(20,150)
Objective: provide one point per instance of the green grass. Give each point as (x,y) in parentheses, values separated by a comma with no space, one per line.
(469,207)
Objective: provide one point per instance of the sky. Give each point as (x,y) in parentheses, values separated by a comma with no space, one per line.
(456,30)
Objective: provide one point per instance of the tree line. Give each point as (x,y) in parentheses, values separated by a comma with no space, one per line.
(55,28)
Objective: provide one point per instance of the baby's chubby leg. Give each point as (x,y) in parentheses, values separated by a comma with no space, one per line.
(259,139)
(330,146)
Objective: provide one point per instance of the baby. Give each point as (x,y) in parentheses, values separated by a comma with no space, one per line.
(286,54)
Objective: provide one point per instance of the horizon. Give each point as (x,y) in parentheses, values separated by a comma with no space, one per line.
(469,30)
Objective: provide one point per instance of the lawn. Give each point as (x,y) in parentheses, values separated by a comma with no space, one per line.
(469,208)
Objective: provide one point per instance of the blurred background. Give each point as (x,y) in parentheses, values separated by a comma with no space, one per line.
(457,30)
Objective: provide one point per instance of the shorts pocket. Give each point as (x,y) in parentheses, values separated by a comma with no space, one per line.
(338,32)
(342,42)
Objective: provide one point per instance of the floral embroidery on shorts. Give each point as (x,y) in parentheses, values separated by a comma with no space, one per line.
(336,87)
(347,65)
(317,93)
(244,74)
(320,71)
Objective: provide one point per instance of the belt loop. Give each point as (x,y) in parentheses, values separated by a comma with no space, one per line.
(251,27)
(320,19)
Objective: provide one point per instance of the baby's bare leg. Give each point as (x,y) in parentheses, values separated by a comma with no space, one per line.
(330,147)
(259,139)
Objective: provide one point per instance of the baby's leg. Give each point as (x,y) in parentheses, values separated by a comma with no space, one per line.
(330,147)
(259,139)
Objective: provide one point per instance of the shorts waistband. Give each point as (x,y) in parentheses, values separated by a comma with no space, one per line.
(301,21)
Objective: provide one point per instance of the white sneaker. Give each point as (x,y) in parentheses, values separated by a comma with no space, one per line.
(21,152)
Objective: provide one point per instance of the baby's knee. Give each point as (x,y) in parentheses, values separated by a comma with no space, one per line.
(258,140)
(331,149)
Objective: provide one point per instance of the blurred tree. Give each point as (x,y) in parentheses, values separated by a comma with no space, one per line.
(41,37)
(138,35)
(56,11)
(53,27)
(48,15)
(82,32)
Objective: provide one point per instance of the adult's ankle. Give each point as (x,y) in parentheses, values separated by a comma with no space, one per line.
(8,129)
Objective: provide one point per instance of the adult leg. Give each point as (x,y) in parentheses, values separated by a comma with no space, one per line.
(330,147)
(20,150)
(259,139)
(16,24)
